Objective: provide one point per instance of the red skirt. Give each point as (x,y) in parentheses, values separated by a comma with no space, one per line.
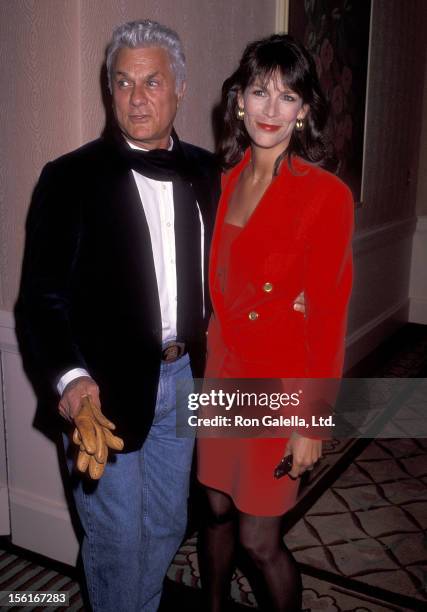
(243,467)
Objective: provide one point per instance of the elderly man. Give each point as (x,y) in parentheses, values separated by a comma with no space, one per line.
(113,301)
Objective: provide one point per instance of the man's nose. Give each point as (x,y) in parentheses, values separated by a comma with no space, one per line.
(139,95)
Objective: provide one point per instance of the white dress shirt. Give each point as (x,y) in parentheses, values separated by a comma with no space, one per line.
(157,201)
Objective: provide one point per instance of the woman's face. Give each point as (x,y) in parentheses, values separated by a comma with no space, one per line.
(271,110)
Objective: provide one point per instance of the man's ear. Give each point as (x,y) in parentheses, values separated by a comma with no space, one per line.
(181,92)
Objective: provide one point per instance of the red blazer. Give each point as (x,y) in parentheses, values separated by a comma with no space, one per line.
(297,239)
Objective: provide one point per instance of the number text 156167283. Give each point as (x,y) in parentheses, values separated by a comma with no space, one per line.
(29,598)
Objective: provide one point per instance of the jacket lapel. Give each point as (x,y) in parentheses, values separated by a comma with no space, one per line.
(131,227)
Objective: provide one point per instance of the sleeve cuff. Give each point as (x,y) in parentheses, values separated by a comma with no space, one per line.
(70,376)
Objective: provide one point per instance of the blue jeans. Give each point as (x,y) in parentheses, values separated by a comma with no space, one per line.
(134,517)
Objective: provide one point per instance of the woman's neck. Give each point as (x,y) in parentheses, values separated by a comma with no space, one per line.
(262,163)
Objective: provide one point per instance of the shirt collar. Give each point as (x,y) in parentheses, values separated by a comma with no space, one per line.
(133,146)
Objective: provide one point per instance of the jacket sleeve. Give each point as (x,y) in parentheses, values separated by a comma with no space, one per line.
(53,234)
(328,281)
(327,288)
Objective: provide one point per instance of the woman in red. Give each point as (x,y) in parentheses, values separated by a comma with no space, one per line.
(284,226)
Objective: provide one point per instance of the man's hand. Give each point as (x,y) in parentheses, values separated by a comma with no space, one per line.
(305,452)
(299,303)
(90,424)
(80,405)
(70,402)
(93,436)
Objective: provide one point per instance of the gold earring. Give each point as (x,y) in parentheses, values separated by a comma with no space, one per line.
(299,125)
(240,113)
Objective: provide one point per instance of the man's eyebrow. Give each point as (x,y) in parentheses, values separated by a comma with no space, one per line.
(153,74)
(149,76)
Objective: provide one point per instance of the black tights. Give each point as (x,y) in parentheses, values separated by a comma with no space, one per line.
(274,574)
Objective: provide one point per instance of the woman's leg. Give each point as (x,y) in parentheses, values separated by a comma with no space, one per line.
(216,547)
(276,580)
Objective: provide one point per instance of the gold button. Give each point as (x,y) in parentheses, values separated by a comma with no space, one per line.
(267,287)
(253,316)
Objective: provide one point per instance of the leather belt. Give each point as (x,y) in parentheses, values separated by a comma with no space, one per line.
(173,351)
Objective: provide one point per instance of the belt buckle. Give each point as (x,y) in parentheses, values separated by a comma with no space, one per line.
(173,351)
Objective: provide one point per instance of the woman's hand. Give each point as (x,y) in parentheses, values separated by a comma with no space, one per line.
(299,303)
(305,453)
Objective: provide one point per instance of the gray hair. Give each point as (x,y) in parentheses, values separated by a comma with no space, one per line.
(147,33)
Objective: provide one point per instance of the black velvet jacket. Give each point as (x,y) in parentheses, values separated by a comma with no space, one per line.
(88,294)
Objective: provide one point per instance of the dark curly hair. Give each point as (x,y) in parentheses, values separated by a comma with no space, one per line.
(279,53)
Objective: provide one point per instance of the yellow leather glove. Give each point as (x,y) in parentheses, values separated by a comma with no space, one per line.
(93,436)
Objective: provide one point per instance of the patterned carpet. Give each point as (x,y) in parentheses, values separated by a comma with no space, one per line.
(19,573)
(370,526)
(359,530)
(363,545)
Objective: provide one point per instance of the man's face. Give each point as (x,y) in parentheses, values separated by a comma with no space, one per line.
(144,97)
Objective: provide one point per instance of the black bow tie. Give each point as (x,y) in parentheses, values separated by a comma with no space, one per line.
(157,164)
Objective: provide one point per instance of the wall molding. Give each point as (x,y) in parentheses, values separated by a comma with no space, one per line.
(418,310)
(382,235)
(282,16)
(33,515)
(422,223)
(8,341)
(373,249)
(4,488)
(55,509)
(4,511)
(418,284)
(369,336)
(37,508)
(371,325)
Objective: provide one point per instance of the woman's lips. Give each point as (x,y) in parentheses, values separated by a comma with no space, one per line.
(268,127)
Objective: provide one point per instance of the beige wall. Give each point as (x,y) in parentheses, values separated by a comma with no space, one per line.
(40,106)
(213,32)
(51,53)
